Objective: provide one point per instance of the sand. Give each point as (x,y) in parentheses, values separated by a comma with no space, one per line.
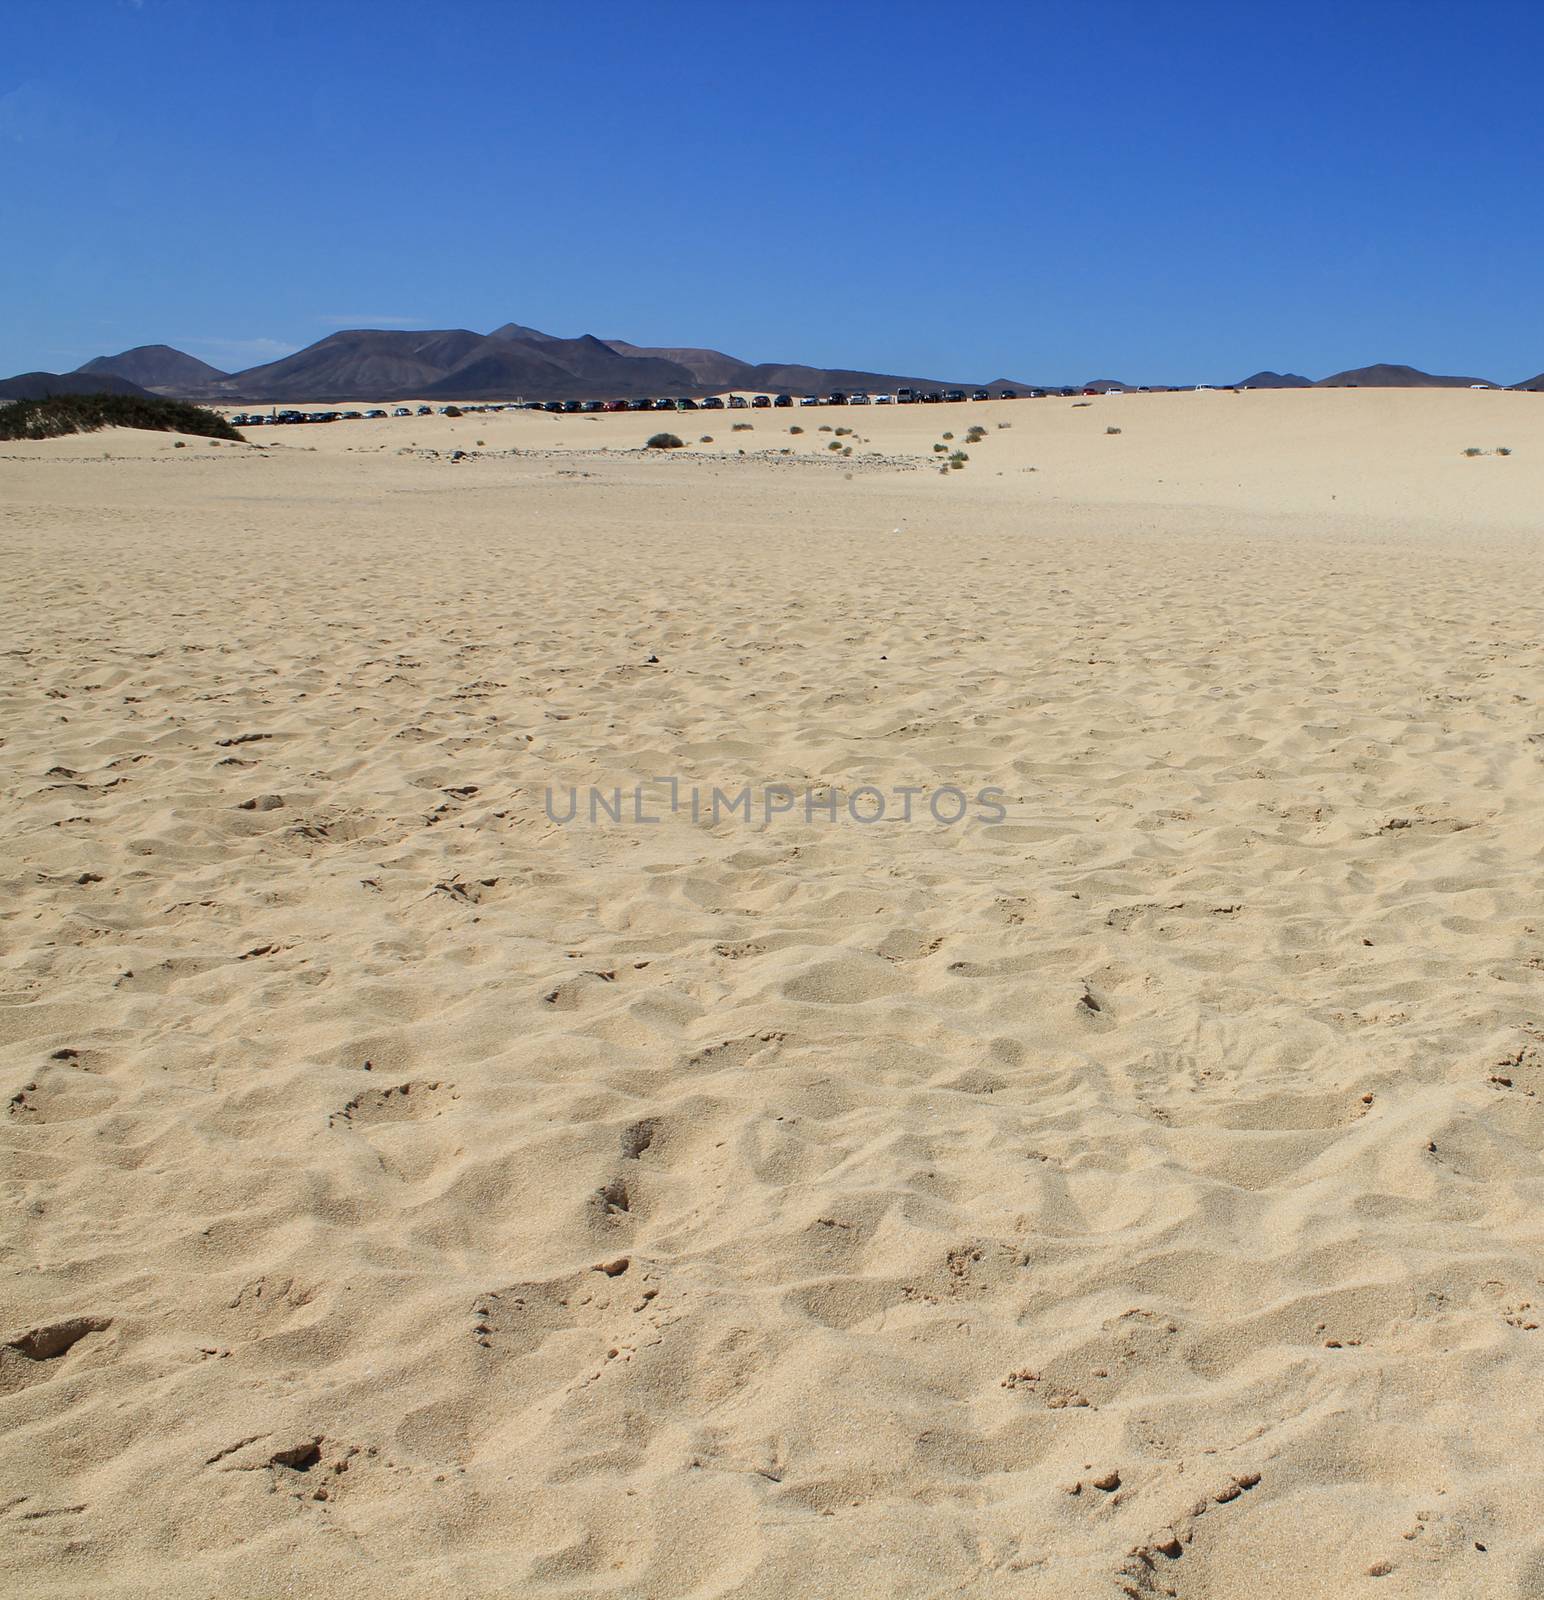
(1139,1196)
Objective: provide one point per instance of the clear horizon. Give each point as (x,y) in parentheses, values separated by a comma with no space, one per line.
(1052,193)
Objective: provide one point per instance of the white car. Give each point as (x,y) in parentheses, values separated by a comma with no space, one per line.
(884,399)
(809,400)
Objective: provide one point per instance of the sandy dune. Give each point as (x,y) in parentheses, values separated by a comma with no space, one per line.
(1138,1197)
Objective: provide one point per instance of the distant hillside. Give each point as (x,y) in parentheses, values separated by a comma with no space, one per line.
(39,385)
(711,367)
(159,369)
(359,363)
(1385,376)
(1535,384)
(1275,380)
(86,413)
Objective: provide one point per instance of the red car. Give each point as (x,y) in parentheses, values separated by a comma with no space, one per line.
(615,405)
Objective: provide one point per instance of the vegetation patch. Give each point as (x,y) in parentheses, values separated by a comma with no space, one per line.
(664,441)
(60,414)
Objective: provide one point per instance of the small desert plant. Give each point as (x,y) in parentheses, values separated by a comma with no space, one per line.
(452,411)
(481,443)
(1002,425)
(825,427)
(938,449)
(959,457)
(707,438)
(1503,450)
(841,431)
(796,429)
(1474,450)
(663,441)
(1112,430)
(948,436)
(834,445)
(743,427)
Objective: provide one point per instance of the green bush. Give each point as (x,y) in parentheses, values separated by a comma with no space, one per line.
(663,441)
(86,413)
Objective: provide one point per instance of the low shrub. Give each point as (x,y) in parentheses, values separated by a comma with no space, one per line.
(86,413)
(664,441)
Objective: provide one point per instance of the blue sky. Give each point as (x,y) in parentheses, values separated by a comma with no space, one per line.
(1152,191)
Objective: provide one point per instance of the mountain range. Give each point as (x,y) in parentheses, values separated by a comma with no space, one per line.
(519,362)
(511,362)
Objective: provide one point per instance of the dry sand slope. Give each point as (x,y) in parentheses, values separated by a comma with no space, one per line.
(1141,1197)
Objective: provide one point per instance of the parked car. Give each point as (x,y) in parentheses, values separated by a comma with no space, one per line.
(953,394)
(1008,394)
(931,397)
(640,405)
(809,400)
(738,402)
(906,397)
(615,405)
(782,400)
(760,402)
(712,403)
(837,397)
(372,415)
(981,394)
(402,411)
(552,405)
(884,399)
(686,404)
(859,399)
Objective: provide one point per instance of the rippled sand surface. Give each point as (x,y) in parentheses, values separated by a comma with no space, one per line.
(1140,1196)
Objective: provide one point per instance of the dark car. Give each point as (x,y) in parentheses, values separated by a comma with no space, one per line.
(931,397)
(615,405)
(981,394)
(837,397)
(713,403)
(425,411)
(684,404)
(1009,394)
(906,397)
(954,394)
(760,401)
(553,405)
(640,405)
(782,400)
